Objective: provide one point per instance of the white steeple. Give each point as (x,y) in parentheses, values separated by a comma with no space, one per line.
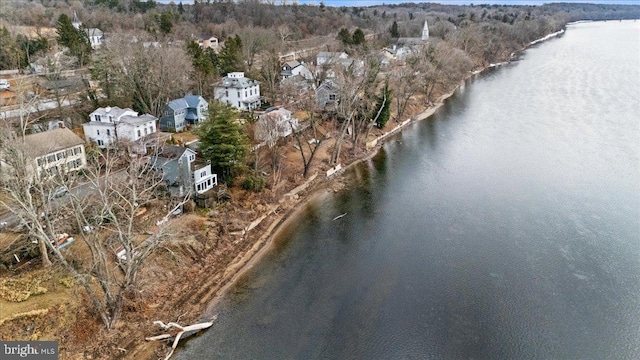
(425,31)
(75,22)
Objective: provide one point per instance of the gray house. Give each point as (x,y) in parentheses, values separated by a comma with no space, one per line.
(178,113)
(180,169)
(327,93)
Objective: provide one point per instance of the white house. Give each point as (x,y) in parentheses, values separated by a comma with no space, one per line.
(55,151)
(274,124)
(325,57)
(203,179)
(179,167)
(111,124)
(294,68)
(238,91)
(408,46)
(96,36)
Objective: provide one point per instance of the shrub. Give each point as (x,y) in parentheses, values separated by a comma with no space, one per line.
(253,183)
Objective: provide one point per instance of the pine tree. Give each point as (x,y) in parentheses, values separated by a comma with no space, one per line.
(345,36)
(394,30)
(76,40)
(223,141)
(230,56)
(383,105)
(358,37)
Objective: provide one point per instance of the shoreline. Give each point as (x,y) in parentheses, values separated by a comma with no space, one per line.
(316,188)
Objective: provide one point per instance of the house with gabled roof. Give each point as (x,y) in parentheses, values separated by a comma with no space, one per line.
(110,124)
(95,35)
(327,93)
(179,167)
(238,91)
(180,113)
(294,68)
(53,152)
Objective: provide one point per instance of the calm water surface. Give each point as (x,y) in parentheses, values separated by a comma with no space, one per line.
(506,227)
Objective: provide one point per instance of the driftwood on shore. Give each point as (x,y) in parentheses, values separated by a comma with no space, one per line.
(178,336)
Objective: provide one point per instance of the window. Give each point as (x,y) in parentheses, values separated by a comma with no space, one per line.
(77,150)
(60,155)
(100,143)
(110,118)
(98,117)
(51,158)
(208,182)
(139,133)
(108,132)
(239,105)
(203,174)
(41,161)
(192,157)
(226,93)
(238,93)
(245,93)
(333,97)
(145,131)
(97,132)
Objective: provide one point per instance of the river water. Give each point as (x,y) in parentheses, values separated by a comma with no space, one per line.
(507,226)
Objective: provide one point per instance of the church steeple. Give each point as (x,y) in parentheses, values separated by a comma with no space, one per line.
(75,22)
(425,31)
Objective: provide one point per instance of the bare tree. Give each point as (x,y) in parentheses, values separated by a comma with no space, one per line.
(441,65)
(355,81)
(270,129)
(104,211)
(309,140)
(270,75)
(142,75)
(404,85)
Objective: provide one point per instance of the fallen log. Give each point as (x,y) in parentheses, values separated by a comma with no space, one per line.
(183,329)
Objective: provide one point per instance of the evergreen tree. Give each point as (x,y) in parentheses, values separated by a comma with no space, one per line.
(180,8)
(166,22)
(10,56)
(358,37)
(230,56)
(223,141)
(394,30)
(345,36)
(76,40)
(383,105)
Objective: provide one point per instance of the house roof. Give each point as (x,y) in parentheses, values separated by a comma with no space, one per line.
(193,100)
(94,32)
(47,142)
(410,41)
(137,120)
(173,151)
(292,64)
(169,168)
(178,104)
(327,85)
(115,111)
(240,83)
(61,84)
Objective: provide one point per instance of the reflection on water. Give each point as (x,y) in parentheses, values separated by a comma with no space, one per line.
(505,227)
